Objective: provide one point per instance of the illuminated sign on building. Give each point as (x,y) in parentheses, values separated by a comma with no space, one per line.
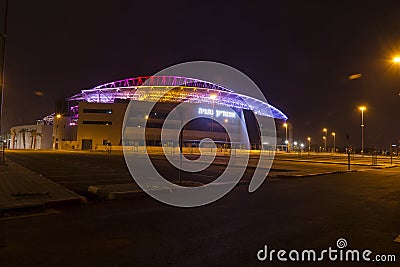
(219,113)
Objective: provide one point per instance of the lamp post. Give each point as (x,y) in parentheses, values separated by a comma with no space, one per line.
(58,116)
(286,136)
(226,136)
(334,141)
(212,97)
(3,36)
(362,108)
(391,154)
(326,135)
(309,145)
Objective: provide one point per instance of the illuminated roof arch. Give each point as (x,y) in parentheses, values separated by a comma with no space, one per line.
(179,89)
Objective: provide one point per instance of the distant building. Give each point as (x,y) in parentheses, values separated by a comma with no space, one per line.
(31,137)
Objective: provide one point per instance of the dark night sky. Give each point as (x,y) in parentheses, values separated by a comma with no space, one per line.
(299,53)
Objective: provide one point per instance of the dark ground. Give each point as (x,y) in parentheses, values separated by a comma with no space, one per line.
(313,212)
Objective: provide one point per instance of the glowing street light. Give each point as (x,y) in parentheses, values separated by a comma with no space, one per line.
(396,59)
(362,109)
(391,153)
(226,137)
(334,141)
(55,138)
(326,135)
(309,145)
(286,136)
(213,97)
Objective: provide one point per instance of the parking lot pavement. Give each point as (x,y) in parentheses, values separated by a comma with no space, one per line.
(21,188)
(90,174)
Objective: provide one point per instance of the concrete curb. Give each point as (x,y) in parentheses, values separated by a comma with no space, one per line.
(384,167)
(75,199)
(327,162)
(312,174)
(109,195)
(65,202)
(21,206)
(124,195)
(101,190)
(43,204)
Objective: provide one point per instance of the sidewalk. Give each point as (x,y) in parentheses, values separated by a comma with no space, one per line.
(22,188)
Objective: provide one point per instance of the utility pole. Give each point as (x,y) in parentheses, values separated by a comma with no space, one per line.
(3,35)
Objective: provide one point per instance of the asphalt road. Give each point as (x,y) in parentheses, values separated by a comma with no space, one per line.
(308,213)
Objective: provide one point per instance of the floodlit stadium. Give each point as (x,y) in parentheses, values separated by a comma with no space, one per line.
(95,116)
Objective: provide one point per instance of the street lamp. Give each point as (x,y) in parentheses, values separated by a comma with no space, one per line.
(396,59)
(326,135)
(362,108)
(286,136)
(212,97)
(58,116)
(226,136)
(309,145)
(334,141)
(391,154)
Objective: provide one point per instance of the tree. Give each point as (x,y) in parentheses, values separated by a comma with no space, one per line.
(14,135)
(34,135)
(23,132)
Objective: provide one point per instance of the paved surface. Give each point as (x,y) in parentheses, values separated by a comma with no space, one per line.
(21,188)
(337,158)
(78,171)
(362,207)
(75,170)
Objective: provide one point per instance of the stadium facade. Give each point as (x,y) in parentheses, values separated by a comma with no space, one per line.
(95,116)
